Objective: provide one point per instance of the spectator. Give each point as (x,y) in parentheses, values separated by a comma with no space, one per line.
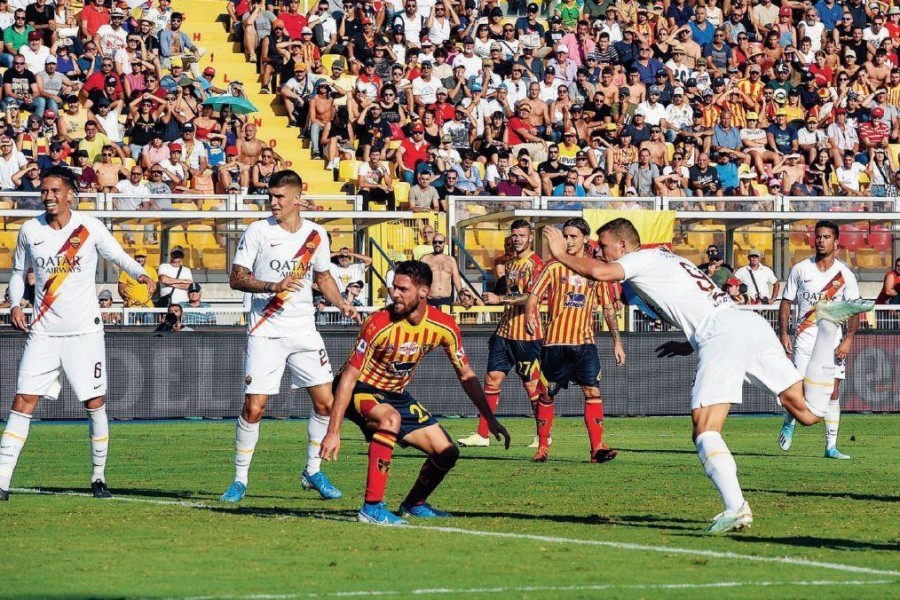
(172,322)
(192,315)
(105,299)
(762,286)
(344,269)
(736,290)
(374,182)
(889,293)
(174,279)
(135,294)
(353,297)
(715,262)
(423,197)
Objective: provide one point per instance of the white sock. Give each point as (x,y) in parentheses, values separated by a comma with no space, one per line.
(245,437)
(832,422)
(11,443)
(818,382)
(719,465)
(316,428)
(99,431)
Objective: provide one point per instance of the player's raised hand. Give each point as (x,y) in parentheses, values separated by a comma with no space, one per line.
(291,283)
(555,241)
(148,281)
(499,431)
(330,447)
(19,320)
(674,348)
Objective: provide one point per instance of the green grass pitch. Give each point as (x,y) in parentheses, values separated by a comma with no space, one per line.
(631,528)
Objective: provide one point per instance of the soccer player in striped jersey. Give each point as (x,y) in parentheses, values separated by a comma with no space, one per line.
(277,261)
(570,352)
(732,346)
(512,346)
(65,336)
(371,391)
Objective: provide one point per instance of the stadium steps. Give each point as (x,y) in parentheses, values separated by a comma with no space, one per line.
(205,25)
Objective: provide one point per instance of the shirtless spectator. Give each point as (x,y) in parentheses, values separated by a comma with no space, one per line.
(444,272)
(793,170)
(108,172)
(319,117)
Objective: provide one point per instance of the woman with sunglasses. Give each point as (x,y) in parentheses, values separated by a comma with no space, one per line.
(483,41)
(141,123)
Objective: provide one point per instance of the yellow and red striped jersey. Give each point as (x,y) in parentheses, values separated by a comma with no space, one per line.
(388,350)
(521,273)
(571,301)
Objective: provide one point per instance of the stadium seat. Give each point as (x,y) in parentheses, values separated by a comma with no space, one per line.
(895,155)
(348,171)
(87,205)
(8,239)
(214,258)
(401,194)
(201,237)
(868,258)
(330,59)
(5,258)
(880,240)
(184,206)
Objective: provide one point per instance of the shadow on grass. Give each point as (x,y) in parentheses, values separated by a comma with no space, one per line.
(847,495)
(274,512)
(694,452)
(185,495)
(820,542)
(649,521)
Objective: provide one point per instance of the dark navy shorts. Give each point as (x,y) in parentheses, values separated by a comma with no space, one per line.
(413,416)
(561,365)
(505,354)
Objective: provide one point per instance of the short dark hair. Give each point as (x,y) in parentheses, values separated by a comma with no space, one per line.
(416,270)
(65,173)
(579,224)
(285,177)
(520,224)
(829,225)
(624,229)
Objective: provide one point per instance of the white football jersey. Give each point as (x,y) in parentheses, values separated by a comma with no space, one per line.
(65,268)
(271,252)
(674,288)
(807,285)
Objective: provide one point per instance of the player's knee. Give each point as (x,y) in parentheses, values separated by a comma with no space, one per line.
(447,458)
(388,420)
(253,410)
(25,404)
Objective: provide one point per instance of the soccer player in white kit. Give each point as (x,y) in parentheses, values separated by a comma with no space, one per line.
(822,277)
(732,346)
(65,336)
(277,261)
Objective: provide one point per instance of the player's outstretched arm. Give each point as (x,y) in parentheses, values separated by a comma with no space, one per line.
(331,444)
(329,289)
(588,267)
(475,392)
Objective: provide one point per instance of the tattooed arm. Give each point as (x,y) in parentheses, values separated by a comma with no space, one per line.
(242,280)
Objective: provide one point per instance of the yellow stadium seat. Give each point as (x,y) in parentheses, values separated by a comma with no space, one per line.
(5,205)
(129,162)
(348,170)
(480,168)
(201,237)
(670,151)
(868,258)
(184,206)
(176,237)
(5,258)
(8,239)
(215,258)
(87,205)
(401,193)
(894,151)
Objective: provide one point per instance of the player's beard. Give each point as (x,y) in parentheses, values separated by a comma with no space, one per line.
(407,309)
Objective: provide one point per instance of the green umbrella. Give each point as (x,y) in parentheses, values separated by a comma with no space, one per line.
(240,106)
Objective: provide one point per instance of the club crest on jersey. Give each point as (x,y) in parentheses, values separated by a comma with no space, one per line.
(390,348)
(248,379)
(75,242)
(310,247)
(408,348)
(575,300)
(577,280)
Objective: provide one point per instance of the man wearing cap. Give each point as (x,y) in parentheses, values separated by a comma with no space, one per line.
(762,284)
(11,161)
(50,84)
(104,299)
(529,25)
(874,133)
(174,43)
(174,279)
(192,314)
(134,293)
(111,36)
(65,333)
(781,137)
(411,152)
(811,138)
(296,93)
(842,136)
(194,150)
(35,52)
(424,87)
(564,68)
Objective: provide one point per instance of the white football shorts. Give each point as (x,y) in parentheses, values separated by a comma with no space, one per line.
(266,358)
(81,358)
(737,346)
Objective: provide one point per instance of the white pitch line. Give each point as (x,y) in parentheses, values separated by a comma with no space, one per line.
(547,588)
(784,560)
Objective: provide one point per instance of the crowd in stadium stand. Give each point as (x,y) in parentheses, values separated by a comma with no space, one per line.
(568,98)
(575,98)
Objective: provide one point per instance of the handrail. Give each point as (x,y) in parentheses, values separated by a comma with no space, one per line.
(468,256)
(376,246)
